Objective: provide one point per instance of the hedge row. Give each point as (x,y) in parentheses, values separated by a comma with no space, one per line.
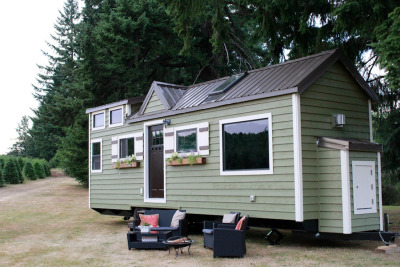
(14,170)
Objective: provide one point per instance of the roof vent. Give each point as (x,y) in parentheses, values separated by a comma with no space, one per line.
(225,86)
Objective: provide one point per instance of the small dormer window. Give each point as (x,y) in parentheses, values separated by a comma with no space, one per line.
(116,117)
(98,121)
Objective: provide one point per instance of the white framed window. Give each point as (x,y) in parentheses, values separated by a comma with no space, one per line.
(96,155)
(126,145)
(98,120)
(186,139)
(246,145)
(116,116)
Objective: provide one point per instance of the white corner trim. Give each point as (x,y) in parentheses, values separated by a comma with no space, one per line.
(146,165)
(298,162)
(104,121)
(98,140)
(346,197)
(89,158)
(371,138)
(242,119)
(122,117)
(380,191)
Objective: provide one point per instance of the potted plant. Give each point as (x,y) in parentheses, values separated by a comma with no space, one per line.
(130,162)
(145,228)
(191,159)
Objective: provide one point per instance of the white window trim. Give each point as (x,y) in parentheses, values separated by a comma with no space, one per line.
(186,127)
(104,121)
(135,135)
(243,119)
(98,140)
(380,191)
(122,117)
(89,159)
(146,164)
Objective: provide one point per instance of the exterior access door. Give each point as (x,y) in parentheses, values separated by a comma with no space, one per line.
(156,161)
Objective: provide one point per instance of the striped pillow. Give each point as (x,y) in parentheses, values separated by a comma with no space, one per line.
(240,224)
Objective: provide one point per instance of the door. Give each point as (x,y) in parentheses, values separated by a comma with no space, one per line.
(156,161)
(364,190)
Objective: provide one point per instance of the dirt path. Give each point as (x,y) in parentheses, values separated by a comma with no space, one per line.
(48,223)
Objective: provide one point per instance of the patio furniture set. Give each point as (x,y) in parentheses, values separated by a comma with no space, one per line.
(166,229)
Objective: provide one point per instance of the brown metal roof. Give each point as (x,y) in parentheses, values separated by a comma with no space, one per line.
(284,78)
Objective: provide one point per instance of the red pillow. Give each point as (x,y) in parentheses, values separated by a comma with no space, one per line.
(240,224)
(150,219)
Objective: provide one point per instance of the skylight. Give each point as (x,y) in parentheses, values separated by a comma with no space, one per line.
(225,86)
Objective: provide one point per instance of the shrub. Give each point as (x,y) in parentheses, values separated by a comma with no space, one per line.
(29,172)
(21,163)
(38,170)
(1,163)
(19,172)
(390,194)
(10,173)
(1,177)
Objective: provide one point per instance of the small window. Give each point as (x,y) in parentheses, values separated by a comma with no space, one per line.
(98,121)
(116,117)
(96,156)
(126,147)
(246,145)
(186,141)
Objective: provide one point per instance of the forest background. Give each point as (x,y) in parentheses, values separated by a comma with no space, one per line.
(114,49)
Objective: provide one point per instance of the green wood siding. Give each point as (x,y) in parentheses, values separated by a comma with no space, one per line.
(334,92)
(364,222)
(154,104)
(200,188)
(330,192)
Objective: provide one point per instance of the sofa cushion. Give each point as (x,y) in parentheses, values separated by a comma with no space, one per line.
(165,216)
(164,228)
(240,224)
(179,215)
(150,219)
(229,218)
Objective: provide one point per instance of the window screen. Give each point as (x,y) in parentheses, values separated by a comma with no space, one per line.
(96,156)
(98,120)
(126,147)
(116,116)
(246,145)
(186,140)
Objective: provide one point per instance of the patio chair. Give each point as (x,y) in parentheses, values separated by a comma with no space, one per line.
(229,242)
(208,229)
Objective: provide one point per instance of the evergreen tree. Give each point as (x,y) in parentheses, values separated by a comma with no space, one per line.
(38,170)
(1,163)
(18,170)
(21,163)
(23,145)
(2,182)
(29,172)
(10,173)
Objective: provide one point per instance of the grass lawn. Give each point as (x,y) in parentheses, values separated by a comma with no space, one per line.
(48,223)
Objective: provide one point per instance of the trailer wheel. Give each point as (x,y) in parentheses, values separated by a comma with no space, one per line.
(126,218)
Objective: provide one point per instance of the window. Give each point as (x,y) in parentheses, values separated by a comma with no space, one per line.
(126,147)
(116,117)
(96,155)
(157,137)
(246,145)
(186,141)
(98,121)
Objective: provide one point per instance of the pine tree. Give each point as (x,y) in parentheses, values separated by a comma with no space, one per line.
(10,173)
(38,170)
(29,172)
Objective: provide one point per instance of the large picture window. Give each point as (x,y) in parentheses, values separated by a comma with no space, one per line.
(96,155)
(116,117)
(246,145)
(186,140)
(126,147)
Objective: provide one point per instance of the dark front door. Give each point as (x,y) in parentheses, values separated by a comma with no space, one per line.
(156,161)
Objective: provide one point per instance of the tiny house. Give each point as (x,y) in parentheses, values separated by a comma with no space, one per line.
(289,144)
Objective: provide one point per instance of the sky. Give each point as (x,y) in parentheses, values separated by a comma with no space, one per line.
(25,26)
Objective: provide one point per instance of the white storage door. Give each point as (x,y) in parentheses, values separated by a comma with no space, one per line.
(364,188)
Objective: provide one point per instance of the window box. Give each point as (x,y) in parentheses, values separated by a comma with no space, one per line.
(185,161)
(124,165)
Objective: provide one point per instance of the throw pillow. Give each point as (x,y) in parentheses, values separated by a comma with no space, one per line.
(150,219)
(179,215)
(240,224)
(229,218)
